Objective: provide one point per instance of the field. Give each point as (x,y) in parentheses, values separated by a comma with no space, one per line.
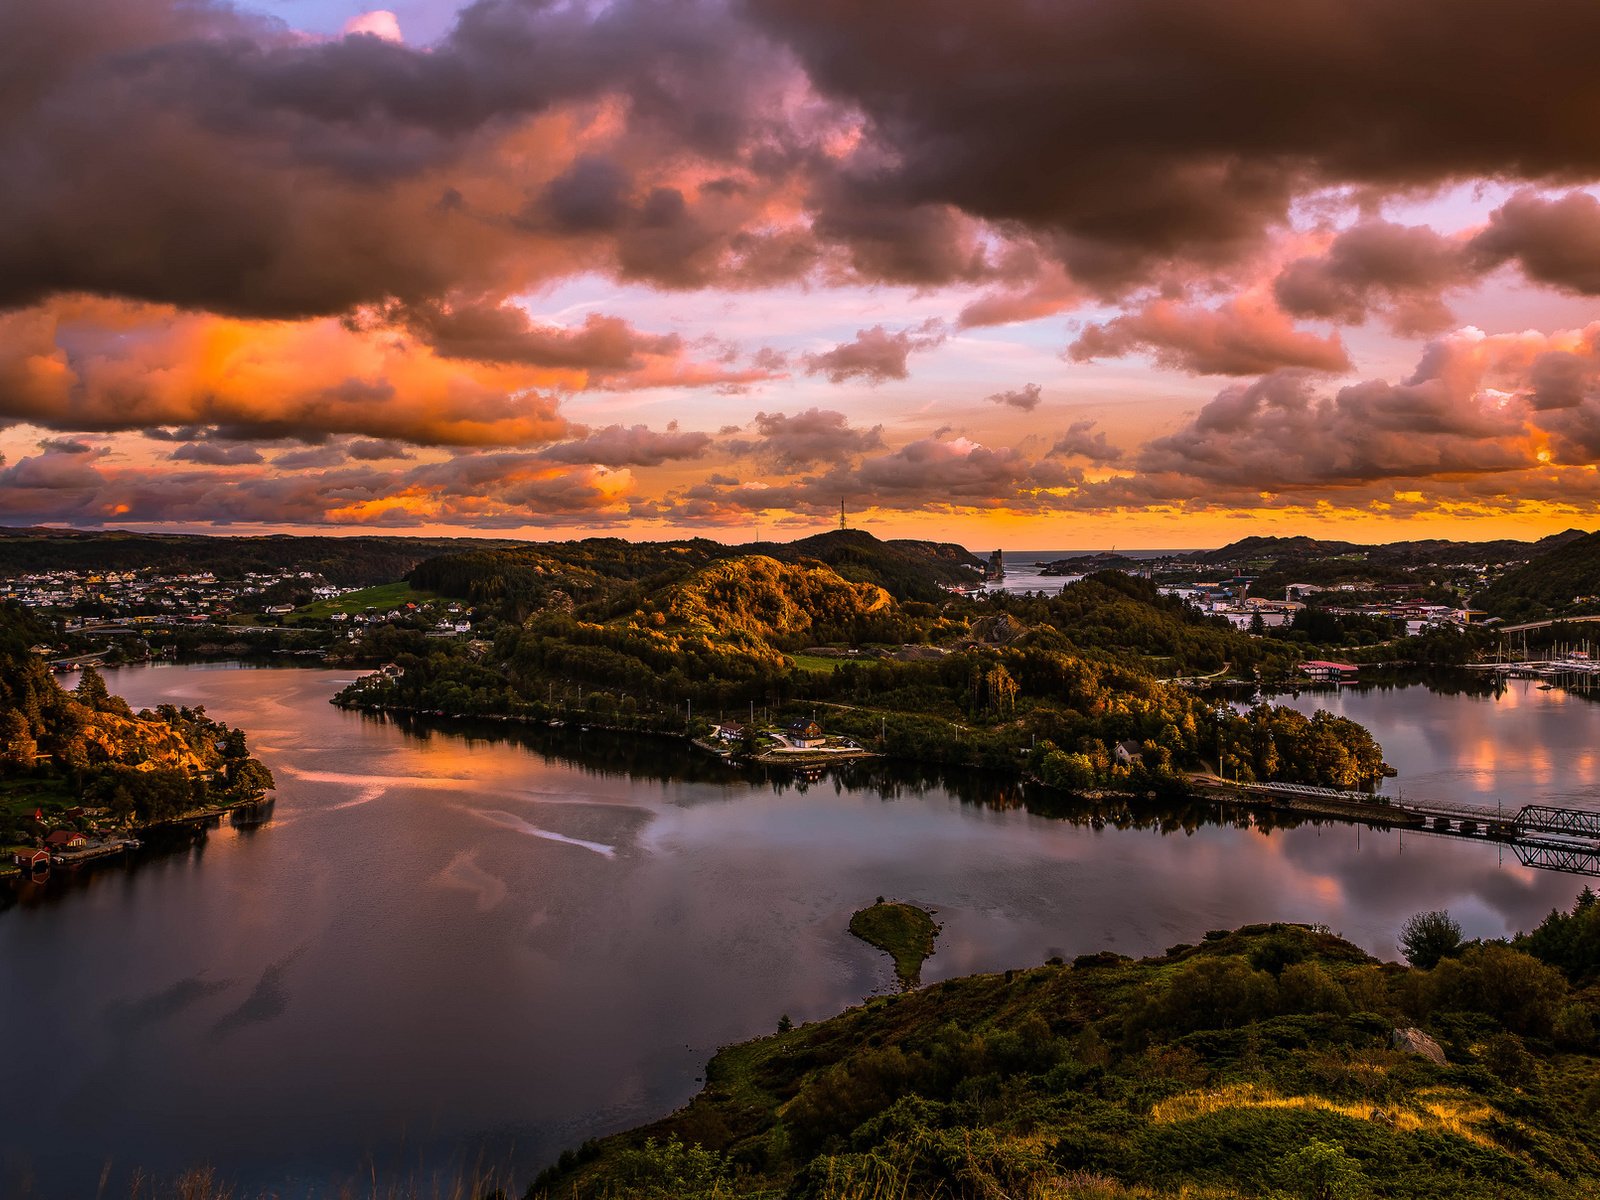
(383,597)
(817,662)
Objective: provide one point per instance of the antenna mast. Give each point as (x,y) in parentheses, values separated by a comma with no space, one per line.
(842,525)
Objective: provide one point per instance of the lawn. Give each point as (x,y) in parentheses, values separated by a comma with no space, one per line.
(816,662)
(902,931)
(383,597)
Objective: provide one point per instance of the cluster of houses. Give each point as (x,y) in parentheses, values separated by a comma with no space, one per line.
(446,618)
(64,842)
(150,595)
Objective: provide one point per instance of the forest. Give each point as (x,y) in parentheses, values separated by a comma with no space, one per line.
(1271,1061)
(1048,685)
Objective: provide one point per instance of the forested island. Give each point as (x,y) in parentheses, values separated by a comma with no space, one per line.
(1271,1061)
(79,769)
(1081,690)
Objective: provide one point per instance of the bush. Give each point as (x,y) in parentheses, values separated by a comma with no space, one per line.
(1320,1170)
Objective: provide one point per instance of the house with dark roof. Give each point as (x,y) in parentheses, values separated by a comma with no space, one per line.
(804,735)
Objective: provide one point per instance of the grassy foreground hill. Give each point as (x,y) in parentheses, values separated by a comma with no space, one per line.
(1260,1063)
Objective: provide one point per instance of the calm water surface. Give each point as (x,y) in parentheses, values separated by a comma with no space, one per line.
(447,950)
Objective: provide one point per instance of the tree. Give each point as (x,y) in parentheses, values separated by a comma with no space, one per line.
(17,746)
(1321,1170)
(1428,937)
(250,780)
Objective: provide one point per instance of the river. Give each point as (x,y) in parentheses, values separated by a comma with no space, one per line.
(457,950)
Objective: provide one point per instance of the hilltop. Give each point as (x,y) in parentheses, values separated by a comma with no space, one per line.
(521,578)
(1277,1060)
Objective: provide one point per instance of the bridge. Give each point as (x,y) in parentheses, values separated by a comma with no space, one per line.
(1543,835)
(1530,625)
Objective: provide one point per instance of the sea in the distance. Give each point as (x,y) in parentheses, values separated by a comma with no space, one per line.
(1022,567)
(466,948)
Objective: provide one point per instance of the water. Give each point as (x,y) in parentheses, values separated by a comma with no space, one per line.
(1022,568)
(448,950)
(1486,744)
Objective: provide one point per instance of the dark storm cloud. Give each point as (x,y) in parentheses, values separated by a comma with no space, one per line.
(1145,130)
(195,154)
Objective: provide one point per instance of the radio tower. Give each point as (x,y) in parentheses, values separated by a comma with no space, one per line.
(841,515)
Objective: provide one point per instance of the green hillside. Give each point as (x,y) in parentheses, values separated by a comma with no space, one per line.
(1563,581)
(1261,1063)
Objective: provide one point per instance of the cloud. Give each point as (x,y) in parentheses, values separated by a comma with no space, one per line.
(504,333)
(816,435)
(631,446)
(1012,114)
(1555,241)
(1476,405)
(210,454)
(875,355)
(379,23)
(1240,337)
(1396,269)
(505,489)
(1026,397)
(1082,440)
(136,367)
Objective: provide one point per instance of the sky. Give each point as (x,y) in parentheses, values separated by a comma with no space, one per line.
(1078,274)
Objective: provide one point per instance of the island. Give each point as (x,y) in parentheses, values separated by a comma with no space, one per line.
(902,931)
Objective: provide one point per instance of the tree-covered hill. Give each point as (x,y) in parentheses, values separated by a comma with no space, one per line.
(86,747)
(1562,581)
(1260,1063)
(1049,685)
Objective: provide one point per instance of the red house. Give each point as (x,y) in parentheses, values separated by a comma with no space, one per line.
(31,860)
(65,839)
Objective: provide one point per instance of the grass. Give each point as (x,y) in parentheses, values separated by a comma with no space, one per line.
(902,931)
(817,662)
(21,795)
(384,596)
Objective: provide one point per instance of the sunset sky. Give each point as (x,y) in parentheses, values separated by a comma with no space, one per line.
(1032,273)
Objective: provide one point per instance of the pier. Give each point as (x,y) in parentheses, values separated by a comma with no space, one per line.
(1543,836)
